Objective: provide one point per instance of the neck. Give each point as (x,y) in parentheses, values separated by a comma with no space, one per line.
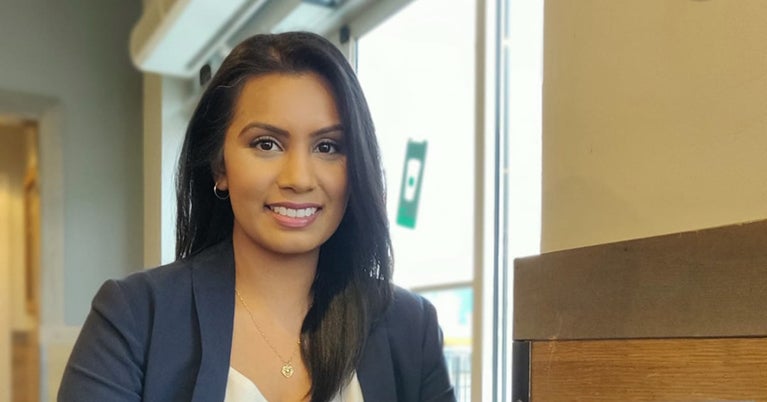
(275,283)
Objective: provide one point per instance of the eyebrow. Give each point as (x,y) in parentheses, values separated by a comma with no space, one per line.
(285,133)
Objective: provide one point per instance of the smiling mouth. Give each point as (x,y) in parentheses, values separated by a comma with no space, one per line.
(293,213)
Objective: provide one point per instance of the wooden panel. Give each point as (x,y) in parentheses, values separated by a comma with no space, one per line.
(708,283)
(650,370)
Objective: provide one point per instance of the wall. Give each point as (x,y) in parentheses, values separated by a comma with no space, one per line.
(653,118)
(76,53)
(66,65)
(18,324)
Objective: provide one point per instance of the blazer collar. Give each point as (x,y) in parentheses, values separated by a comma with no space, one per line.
(213,292)
(375,371)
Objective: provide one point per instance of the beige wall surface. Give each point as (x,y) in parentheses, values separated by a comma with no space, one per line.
(654,118)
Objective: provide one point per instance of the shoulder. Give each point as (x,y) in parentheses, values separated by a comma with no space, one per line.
(165,290)
(133,299)
(141,290)
(170,280)
(155,280)
(410,317)
(135,325)
(143,295)
(415,343)
(407,306)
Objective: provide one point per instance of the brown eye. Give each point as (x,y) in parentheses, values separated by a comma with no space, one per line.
(265,144)
(327,147)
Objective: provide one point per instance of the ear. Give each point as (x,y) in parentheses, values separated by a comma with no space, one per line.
(219,176)
(222,184)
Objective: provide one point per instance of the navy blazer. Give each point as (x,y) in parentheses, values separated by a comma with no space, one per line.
(165,335)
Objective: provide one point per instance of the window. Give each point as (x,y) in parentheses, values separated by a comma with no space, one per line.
(417,69)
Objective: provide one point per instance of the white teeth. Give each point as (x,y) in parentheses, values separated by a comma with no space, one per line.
(295,213)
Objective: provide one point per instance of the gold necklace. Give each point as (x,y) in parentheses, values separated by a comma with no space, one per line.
(287,368)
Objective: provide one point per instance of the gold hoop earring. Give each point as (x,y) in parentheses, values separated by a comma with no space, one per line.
(221,195)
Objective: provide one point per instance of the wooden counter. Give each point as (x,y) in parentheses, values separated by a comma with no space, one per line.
(680,317)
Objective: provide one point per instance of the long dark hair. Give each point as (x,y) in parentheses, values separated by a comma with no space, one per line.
(352,287)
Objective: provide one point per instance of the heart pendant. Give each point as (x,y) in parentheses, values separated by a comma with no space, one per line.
(287,370)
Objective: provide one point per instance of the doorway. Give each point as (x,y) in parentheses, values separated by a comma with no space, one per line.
(20,254)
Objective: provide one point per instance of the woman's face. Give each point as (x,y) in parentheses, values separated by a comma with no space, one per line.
(285,166)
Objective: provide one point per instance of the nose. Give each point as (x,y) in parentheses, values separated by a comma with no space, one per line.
(296,173)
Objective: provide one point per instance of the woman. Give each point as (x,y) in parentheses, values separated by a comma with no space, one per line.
(281,289)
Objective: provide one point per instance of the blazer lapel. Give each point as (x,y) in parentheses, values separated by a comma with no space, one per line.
(213,290)
(375,370)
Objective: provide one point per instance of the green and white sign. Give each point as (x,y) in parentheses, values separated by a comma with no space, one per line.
(410,189)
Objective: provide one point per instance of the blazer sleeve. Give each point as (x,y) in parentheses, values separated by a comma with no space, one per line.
(107,361)
(435,381)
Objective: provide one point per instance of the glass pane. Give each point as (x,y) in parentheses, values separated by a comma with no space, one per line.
(454,309)
(417,70)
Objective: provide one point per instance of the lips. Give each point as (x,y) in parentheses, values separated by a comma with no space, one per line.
(294,215)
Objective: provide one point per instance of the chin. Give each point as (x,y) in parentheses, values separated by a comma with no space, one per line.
(288,247)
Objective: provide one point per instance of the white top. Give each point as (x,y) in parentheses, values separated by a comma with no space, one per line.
(240,389)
